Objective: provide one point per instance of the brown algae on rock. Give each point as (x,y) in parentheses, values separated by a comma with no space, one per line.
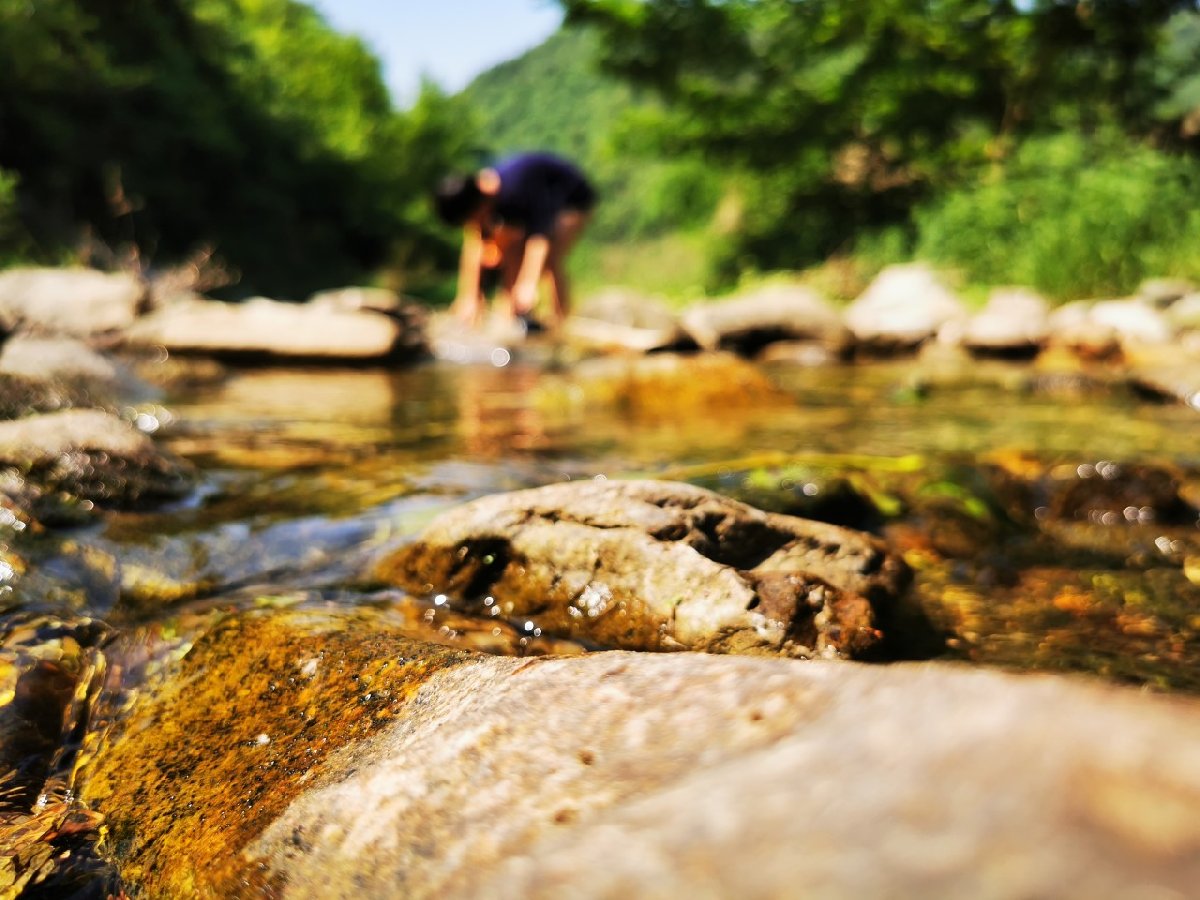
(193,773)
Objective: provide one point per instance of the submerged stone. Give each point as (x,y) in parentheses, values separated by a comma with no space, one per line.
(664,386)
(656,566)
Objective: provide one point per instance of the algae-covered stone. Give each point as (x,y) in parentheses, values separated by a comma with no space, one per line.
(201,766)
(308,755)
(656,566)
(664,387)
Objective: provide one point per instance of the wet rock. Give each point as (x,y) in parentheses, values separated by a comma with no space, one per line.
(902,308)
(656,566)
(46,358)
(1015,321)
(1165,373)
(79,302)
(271,329)
(211,751)
(69,374)
(1112,493)
(21,395)
(664,386)
(619,319)
(301,754)
(1072,326)
(50,675)
(1185,313)
(64,466)
(1099,330)
(497,340)
(773,312)
(1134,321)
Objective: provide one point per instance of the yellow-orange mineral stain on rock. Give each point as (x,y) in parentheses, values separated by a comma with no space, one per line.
(259,705)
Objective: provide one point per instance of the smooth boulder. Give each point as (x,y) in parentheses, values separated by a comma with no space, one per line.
(902,308)
(773,312)
(654,565)
(324,754)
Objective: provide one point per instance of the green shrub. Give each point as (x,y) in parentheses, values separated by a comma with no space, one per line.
(1071,216)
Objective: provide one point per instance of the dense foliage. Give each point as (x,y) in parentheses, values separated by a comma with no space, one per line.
(147,129)
(840,117)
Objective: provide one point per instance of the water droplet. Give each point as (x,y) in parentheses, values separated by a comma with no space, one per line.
(262,740)
(501,357)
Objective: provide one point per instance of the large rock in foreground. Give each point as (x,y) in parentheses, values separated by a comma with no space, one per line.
(654,565)
(272,329)
(324,755)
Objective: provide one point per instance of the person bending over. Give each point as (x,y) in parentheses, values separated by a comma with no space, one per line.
(520,217)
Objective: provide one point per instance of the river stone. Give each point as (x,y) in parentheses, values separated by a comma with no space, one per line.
(903,307)
(63,466)
(621,319)
(55,357)
(773,312)
(655,565)
(1163,292)
(270,328)
(1015,320)
(1184,314)
(1134,321)
(665,387)
(79,302)
(325,755)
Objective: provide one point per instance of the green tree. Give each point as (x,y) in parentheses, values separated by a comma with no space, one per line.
(163,125)
(842,115)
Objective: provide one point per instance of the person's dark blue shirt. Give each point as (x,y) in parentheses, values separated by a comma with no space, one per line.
(536,187)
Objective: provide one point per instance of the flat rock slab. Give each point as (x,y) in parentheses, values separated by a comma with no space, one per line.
(322,755)
(269,328)
(655,565)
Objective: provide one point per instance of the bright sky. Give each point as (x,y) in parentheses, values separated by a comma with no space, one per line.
(450,41)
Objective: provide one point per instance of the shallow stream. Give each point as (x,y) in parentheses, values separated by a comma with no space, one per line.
(1051,520)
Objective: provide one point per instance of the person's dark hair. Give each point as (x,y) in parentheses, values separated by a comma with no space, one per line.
(457,198)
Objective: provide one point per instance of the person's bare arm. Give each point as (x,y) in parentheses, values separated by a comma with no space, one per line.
(525,290)
(468,301)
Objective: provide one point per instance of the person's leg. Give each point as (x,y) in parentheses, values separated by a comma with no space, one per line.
(567,228)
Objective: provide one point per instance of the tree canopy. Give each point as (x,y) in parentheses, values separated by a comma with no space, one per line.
(159,126)
(845,114)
